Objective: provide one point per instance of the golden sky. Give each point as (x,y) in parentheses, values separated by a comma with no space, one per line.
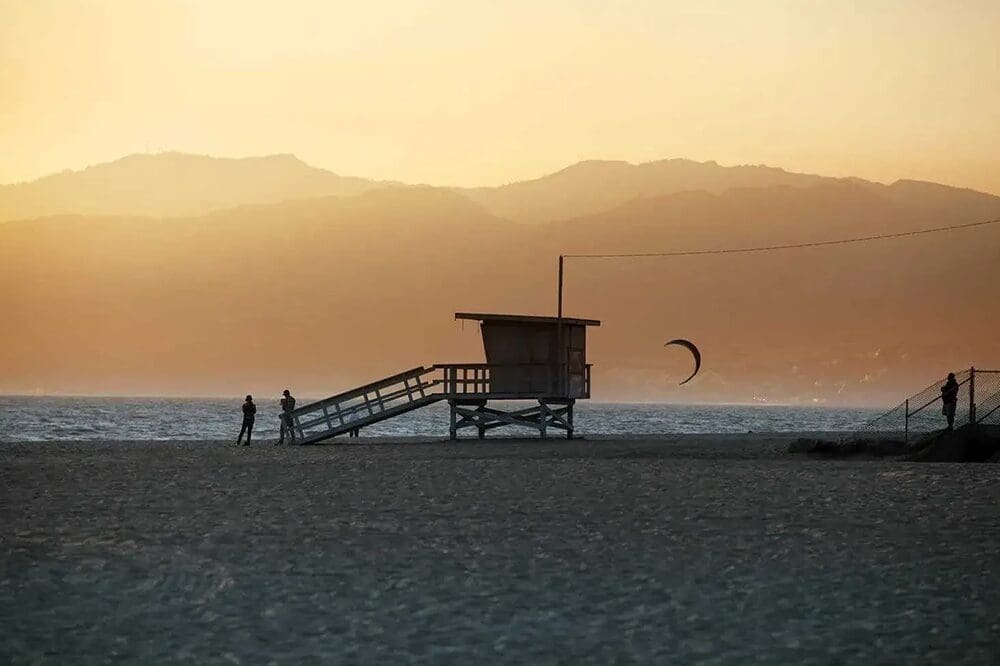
(465,92)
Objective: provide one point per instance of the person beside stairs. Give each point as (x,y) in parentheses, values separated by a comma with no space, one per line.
(287,407)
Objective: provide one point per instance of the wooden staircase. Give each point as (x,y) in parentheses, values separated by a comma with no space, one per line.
(346,413)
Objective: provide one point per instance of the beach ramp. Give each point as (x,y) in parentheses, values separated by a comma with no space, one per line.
(348,412)
(921,415)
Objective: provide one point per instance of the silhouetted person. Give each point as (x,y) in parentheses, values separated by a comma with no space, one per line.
(287,406)
(949,399)
(249,414)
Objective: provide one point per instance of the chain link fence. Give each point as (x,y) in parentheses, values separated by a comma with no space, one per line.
(988,397)
(921,413)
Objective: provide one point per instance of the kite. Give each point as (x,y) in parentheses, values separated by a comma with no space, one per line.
(687,344)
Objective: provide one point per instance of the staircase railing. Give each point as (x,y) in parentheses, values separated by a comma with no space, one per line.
(348,411)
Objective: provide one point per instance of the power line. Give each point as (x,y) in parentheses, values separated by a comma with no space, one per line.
(789,246)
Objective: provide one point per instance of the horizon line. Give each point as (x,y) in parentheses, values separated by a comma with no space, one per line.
(338,172)
(237,397)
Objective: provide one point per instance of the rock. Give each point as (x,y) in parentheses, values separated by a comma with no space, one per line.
(843,449)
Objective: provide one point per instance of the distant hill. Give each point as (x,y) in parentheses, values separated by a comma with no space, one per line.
(320,294)
(173,184)
(177,184)
(593,186)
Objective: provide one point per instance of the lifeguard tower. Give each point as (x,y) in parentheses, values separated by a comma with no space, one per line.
(541,359)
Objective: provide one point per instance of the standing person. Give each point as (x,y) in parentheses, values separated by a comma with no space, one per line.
(949,399)
(249,414)
(287,406)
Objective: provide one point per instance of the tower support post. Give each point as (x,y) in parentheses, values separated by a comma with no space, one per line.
(453,427)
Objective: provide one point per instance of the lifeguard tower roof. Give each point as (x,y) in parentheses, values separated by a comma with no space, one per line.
(526,319)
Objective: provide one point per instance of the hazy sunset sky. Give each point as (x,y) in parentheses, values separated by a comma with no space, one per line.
(471,92)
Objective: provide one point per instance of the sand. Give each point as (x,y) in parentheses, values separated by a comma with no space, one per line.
(714,549)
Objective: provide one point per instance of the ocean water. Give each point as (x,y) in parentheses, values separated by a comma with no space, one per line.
(63,418)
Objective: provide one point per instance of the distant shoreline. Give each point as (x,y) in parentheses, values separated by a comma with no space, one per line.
(680,445)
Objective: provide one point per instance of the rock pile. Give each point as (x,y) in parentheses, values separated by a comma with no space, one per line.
(980,443)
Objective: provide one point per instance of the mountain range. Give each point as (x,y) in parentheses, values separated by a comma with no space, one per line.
(173,184)
(177,184)
(180,274)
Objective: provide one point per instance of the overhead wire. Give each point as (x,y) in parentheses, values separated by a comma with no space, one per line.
(788,246)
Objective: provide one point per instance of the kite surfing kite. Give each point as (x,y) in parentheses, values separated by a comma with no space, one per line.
(687,344)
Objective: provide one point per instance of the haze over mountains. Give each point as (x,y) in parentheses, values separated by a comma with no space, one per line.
(189,275)
(596,185)
(176,184)
(173,184)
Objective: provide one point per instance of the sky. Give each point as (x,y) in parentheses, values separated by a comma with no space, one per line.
(478,92)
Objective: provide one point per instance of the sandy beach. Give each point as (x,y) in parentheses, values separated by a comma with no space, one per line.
(700,548)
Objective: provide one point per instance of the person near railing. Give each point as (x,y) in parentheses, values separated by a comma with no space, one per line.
(249,414)
(949,399)
(287,407)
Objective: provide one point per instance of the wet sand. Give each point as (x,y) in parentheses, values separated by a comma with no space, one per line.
(714,549)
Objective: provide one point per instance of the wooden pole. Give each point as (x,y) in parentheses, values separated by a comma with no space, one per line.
(972,395)
(560,351)
(560,288)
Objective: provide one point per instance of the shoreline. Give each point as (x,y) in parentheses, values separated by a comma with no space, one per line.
(981,444)
(681,445)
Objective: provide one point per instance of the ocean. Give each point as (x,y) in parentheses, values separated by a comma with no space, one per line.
(74,418)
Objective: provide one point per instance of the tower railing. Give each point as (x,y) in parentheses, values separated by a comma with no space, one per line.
(517,381)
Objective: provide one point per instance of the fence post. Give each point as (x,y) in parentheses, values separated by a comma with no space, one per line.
(972,396)
(906,427)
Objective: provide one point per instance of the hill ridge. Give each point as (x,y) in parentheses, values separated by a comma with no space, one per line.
(174,183)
